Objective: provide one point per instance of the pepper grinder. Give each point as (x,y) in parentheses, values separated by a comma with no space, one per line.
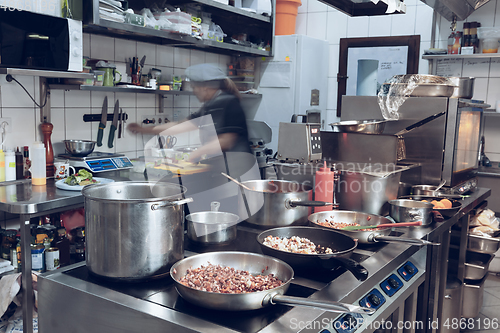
(49,152)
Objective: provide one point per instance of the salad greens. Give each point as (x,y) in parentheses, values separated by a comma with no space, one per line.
(82,177)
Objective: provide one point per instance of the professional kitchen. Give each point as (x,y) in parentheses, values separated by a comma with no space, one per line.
(316,166)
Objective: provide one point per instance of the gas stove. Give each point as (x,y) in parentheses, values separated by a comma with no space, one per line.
(395,272)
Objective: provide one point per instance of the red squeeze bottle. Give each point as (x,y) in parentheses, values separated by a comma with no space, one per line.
(323,187)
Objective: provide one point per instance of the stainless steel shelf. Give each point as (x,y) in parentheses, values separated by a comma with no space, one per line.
(123,30)
(491,113)
(131,90)
(42,73)
(461,56)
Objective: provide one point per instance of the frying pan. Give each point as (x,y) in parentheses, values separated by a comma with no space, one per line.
(446,212)
(364,237)
(342,247)
(255,264)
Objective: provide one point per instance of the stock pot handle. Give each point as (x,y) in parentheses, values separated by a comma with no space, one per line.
(323,305)
(290,203)
(171,203)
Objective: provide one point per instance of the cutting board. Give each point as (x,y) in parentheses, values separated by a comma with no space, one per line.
(183,167)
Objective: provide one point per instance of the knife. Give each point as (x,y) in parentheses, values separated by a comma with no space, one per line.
(143,61)
(104,119)
(120,124)
(112,129)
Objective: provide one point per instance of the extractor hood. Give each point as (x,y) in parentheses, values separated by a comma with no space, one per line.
(367,7)
(460,9)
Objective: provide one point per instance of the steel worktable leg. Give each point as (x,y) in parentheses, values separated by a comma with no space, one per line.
(27,283)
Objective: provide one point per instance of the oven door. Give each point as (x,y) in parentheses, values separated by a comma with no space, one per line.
(465,153)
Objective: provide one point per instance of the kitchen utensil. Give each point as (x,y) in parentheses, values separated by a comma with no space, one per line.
(255,264)
(464,87)
(143,61)
(212,227)
(401,147)
(440,185)
(114,124)
(446,212)
(369,126)
(104,119)
(109,78)
(430,191)
(411,210)
(170,141)
(79,148)
(120,123)
(275,203)
(363,237)
(341,245)
(389,225)
(133,230)
(237,182)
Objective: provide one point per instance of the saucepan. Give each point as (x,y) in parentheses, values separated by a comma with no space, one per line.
(255,264)
(275,203)
(446,212)
(341,245)
(322,220)
(369,126)
(432,191)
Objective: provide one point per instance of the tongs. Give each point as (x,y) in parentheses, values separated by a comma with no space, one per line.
(386,225)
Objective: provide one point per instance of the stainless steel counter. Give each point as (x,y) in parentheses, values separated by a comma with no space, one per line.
(86,305)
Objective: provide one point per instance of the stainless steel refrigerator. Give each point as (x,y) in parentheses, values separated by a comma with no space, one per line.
(293,82)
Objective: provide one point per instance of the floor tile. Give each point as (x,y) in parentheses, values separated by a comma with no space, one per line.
(490,299)
(491,312)
(492,281)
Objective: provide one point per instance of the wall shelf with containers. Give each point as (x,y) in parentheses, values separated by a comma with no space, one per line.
(232,20)
(434,57)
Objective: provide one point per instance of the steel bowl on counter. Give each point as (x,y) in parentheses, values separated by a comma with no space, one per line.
(212,227)
(79,148)
(134,231)
(369,126)
(464,87)
(405,210)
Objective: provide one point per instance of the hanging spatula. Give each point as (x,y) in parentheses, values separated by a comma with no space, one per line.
(387,225)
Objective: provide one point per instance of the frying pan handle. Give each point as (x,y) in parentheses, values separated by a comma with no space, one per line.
(351,265)
(295,203)
(412,241)
(323,305)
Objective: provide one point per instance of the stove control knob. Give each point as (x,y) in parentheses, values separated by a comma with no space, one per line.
(409,269)
(374,300)
(393,283)
(349,321)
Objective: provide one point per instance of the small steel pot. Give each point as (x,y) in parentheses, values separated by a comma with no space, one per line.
(370,126)
(212,227)
(430,191)
(404,210)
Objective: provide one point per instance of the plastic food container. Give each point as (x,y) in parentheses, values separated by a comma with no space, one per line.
(490,45)
(98,78)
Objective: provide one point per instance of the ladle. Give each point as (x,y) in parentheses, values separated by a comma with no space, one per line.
(237,182)
(440,185)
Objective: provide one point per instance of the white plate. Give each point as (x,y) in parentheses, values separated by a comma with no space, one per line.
(63,186)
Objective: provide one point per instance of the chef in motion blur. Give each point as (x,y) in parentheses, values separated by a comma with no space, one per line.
(223,135)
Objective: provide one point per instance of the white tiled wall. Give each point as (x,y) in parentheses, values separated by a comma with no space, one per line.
(324,22)
(68,107)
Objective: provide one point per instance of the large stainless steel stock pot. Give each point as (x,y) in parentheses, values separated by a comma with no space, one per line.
(134,230)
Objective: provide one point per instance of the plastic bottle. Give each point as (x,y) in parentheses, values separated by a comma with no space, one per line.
(38,168)
(2,166)
(10,165)
(323,187)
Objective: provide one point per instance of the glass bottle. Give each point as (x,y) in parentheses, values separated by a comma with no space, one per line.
(80,244)
(19,165)
(61,241)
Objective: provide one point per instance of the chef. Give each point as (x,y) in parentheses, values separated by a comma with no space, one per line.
(223,135)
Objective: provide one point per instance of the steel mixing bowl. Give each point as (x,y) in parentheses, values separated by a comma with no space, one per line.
(79,147)
(370,126)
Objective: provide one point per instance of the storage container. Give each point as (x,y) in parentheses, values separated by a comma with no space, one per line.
(482,244)
(181,22)
(476,265)
(472,299)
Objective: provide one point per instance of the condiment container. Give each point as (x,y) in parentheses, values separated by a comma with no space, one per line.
(38,168)
(10,165)
(324,187)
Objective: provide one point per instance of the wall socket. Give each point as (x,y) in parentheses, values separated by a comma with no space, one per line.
(154,120)
(8,126)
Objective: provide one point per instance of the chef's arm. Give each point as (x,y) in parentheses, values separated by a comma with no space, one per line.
(171,128)
(223,142)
